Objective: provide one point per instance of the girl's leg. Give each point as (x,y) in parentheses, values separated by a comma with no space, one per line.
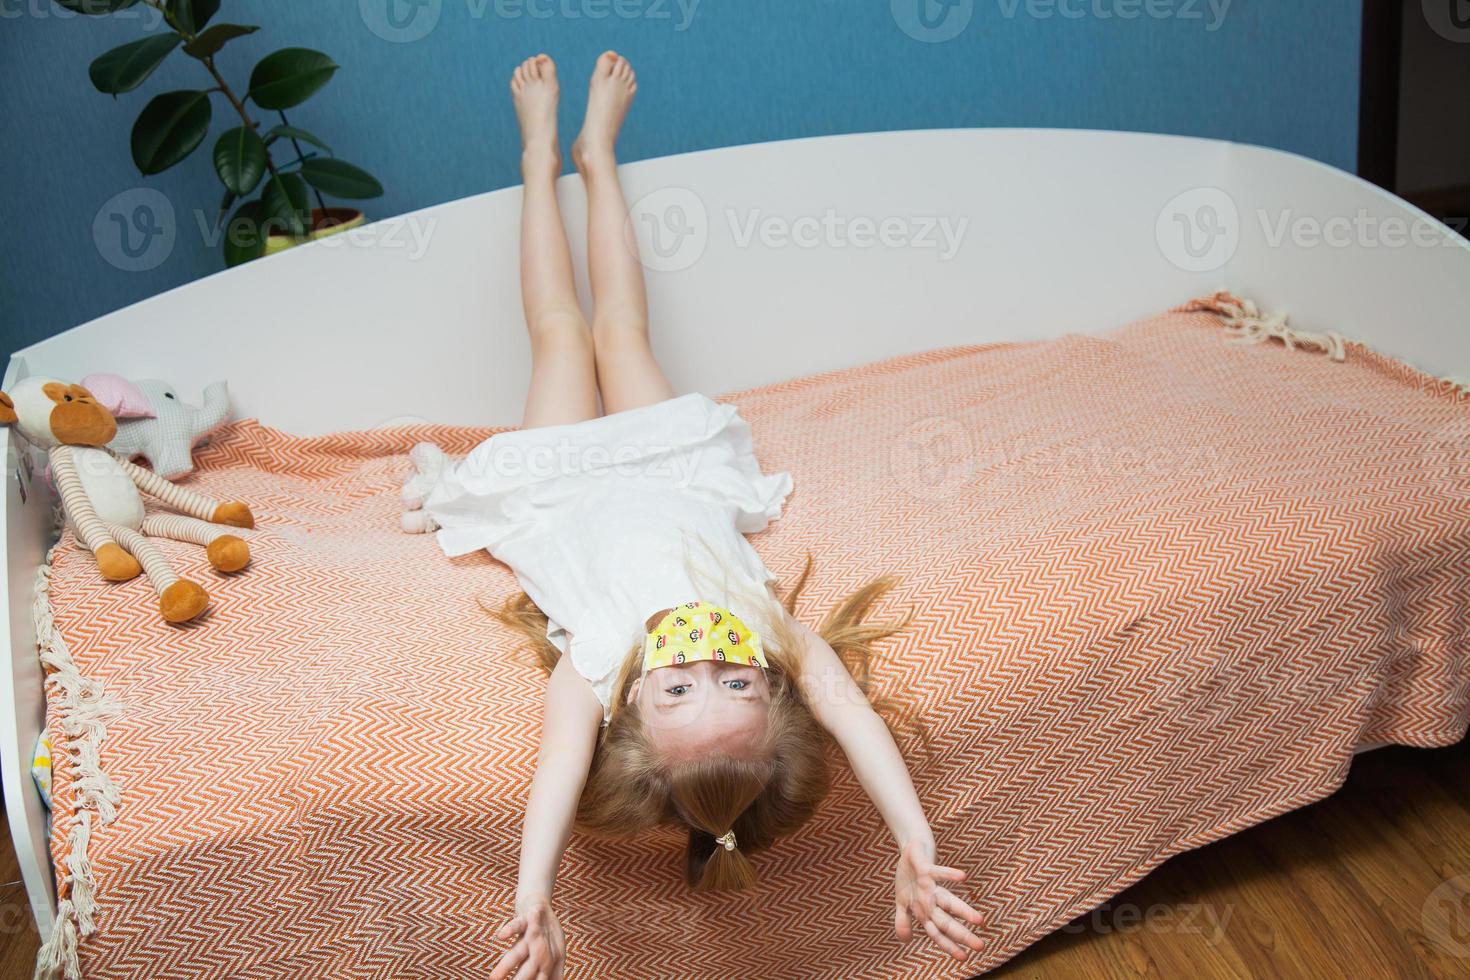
(627,373)
(563,373)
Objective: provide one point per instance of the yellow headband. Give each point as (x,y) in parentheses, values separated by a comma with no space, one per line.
(698,631)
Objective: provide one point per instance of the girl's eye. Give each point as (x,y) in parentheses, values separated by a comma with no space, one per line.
(678,690)
(737,685)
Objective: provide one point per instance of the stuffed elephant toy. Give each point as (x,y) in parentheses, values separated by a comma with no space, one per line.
(154,423)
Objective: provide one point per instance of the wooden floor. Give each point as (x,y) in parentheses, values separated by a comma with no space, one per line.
(1373,882)
(18,940)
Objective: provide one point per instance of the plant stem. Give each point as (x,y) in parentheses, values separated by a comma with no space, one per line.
(224,89)
(250,124)
(302,156)
(270,163)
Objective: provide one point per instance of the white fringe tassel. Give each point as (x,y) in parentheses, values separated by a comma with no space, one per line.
(1244,320)
(1249,326)
(84,710)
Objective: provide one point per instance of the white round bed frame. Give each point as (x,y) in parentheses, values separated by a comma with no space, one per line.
(802,256)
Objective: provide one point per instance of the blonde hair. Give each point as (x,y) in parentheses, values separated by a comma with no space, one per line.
(759,799)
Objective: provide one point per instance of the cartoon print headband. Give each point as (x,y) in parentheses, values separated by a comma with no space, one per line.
(698,631)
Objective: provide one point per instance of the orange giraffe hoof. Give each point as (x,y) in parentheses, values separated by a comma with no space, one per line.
(234,514)
(228,553)
(115,564)
(182,601)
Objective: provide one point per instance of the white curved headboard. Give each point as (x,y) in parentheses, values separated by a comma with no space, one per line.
(419,316)
(805,255)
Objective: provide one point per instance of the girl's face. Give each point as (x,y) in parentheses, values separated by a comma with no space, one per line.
(692,709)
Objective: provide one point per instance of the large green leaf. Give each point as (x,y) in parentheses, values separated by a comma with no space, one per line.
(170,128)
(239,159)
(192,15)
(292,133)
(289,77)
(207,45)
(244,236)
(124,69)
(340,179)
(287,204)
(96,7)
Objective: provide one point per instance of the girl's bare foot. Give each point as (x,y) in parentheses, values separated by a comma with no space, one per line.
(534,90)
(610,95)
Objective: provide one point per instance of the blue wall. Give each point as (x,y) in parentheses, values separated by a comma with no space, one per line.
(430,117)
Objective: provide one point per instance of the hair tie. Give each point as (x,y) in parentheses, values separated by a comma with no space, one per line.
(727,839)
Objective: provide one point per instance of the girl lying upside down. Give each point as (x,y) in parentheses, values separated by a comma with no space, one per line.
(682,690)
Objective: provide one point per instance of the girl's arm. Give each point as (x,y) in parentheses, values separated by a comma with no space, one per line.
(569,728)
(842,708)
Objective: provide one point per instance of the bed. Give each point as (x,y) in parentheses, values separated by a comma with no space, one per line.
(430,307)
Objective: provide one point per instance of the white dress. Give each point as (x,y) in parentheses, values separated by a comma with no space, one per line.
(608,521)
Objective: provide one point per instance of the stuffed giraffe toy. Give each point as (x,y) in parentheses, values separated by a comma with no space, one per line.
(103,503)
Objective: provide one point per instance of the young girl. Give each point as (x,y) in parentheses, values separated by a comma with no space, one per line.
(682,690)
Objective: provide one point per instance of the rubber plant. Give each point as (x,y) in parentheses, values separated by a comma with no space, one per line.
(261,196)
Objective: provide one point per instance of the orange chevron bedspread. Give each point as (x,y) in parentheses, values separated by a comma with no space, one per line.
(1164,586)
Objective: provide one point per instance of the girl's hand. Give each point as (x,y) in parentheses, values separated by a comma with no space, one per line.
(921,899)
(540,946)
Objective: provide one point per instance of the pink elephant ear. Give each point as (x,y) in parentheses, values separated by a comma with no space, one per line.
(119,396)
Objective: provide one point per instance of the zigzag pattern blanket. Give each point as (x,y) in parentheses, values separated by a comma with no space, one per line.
(1164,586)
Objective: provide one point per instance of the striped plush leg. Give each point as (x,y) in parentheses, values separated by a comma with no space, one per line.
(178,599)
(194,504)
(227,552)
